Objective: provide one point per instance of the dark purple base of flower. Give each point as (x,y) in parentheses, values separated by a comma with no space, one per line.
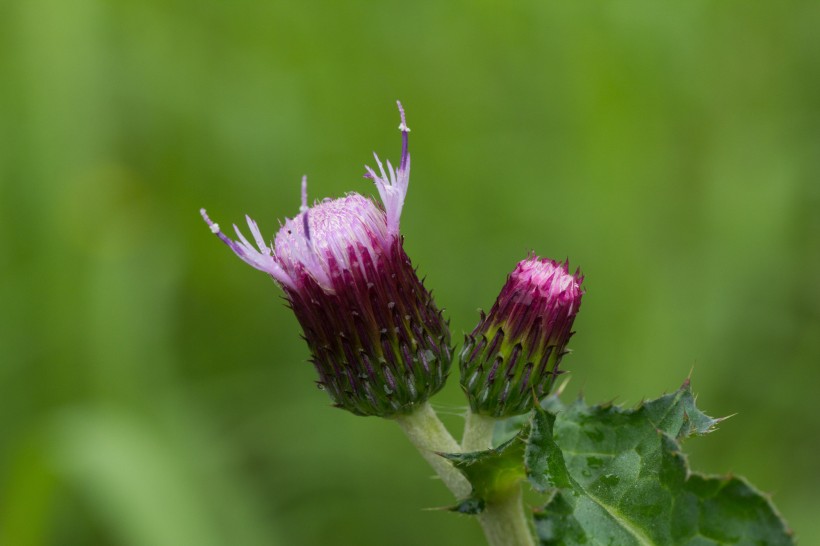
(379,344)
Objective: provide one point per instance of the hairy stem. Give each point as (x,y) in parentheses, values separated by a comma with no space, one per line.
(478,432)
(505,523)
(428,434)
(503,519)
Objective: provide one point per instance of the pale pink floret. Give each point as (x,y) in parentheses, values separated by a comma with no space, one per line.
(334,228)
(552,279)
(392,184)
(318,241)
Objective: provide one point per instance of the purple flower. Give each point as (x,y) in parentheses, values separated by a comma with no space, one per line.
(378,341)
(514,351)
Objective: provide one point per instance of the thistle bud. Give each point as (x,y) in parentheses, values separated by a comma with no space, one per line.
(378,342)
(514,351)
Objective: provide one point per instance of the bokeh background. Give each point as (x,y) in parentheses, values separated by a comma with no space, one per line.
(153,388)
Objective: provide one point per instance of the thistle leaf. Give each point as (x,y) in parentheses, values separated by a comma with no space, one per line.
(617,476)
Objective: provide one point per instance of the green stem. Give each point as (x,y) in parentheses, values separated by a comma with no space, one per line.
(478,432)
(428,434)
(503,519)
(505,523)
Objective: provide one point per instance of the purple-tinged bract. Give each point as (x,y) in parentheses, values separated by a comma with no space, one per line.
(379,343)
(515,350)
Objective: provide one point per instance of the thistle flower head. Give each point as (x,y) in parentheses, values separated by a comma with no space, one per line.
(515,350)
(379,343)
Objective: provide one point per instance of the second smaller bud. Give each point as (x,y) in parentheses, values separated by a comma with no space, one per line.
(515,350)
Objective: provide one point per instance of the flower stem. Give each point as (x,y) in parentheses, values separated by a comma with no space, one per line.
(478,432)
(428,434)
(504,521)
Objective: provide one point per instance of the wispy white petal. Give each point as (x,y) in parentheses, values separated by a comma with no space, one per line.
(260,259)
(393,183)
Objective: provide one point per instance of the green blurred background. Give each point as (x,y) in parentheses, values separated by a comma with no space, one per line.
(153,388)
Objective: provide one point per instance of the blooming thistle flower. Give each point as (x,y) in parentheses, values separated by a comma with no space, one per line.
(378,341)
(514,351)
